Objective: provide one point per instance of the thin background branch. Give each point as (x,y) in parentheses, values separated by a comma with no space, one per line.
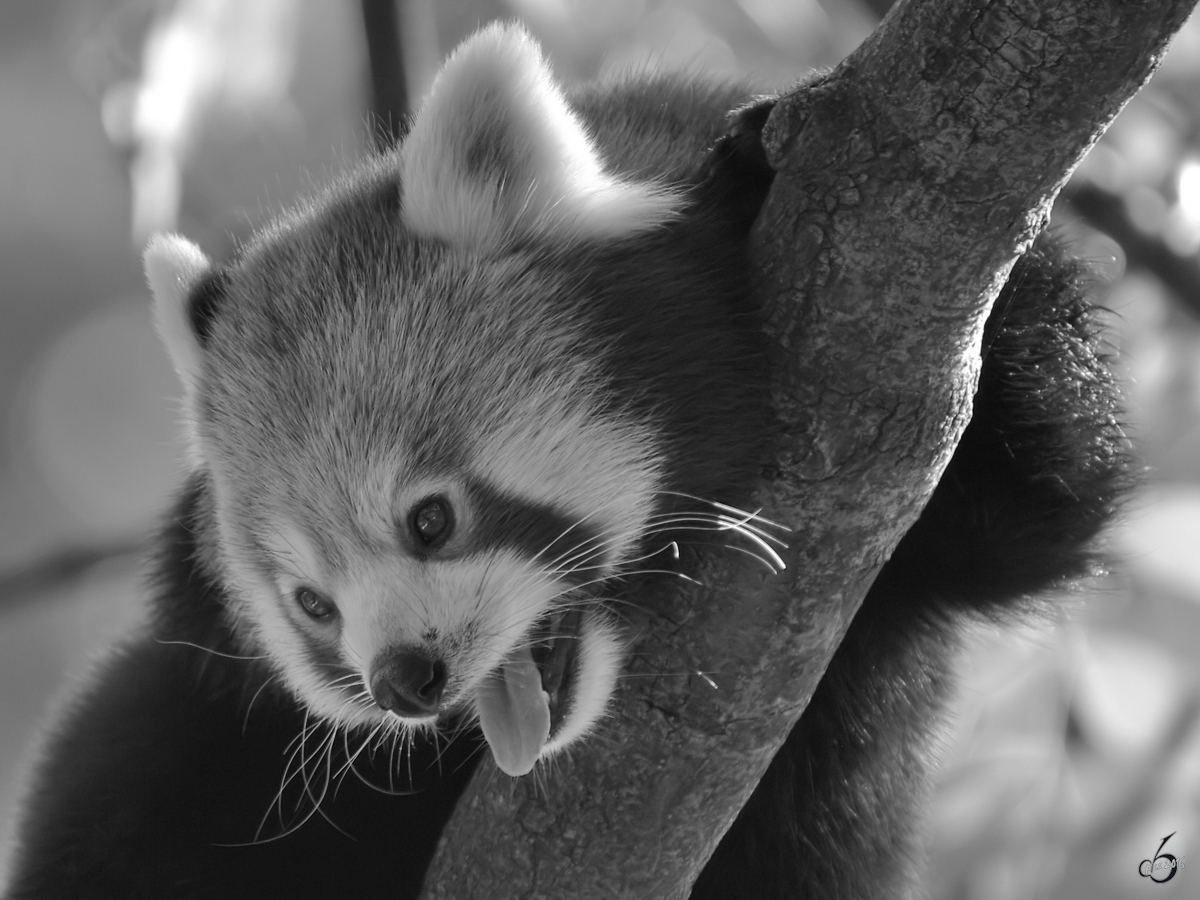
(389,87)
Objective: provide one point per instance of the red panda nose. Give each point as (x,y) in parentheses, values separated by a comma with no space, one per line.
(409,683)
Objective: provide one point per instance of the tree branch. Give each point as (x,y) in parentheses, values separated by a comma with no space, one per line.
(389,86)
(909,180)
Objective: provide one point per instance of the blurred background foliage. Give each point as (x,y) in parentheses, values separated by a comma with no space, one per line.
(1074,747)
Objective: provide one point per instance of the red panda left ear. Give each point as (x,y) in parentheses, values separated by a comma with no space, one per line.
(495,154)
(174,265)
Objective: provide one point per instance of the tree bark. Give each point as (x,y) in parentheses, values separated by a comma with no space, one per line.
(909,180)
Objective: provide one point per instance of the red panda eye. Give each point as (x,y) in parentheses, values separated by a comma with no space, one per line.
(432,522)
(314,604)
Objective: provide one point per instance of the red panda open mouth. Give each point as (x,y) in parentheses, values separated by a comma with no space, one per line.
(526,699)
(555,649)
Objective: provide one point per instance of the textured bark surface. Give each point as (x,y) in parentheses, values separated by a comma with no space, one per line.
(910,178)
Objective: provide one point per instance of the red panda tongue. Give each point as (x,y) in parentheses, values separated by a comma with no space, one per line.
(514,713)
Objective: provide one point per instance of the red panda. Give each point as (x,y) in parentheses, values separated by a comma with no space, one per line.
(442,417)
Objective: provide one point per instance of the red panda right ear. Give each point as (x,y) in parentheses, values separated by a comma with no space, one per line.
(174,266)
(496,153)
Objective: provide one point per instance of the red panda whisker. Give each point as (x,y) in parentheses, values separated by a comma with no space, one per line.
(277,802)
(755,515)
(573,559)
(250,706)
(209,650)
(712,521)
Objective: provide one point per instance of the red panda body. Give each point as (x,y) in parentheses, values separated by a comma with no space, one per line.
(443,418)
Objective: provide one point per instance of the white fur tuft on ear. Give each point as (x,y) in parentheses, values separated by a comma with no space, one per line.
(173,266)
(495,153)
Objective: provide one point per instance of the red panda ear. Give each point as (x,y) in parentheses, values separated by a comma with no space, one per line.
(495,154)
(174,265)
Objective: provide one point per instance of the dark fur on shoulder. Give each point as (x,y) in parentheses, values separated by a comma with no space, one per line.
(164,781)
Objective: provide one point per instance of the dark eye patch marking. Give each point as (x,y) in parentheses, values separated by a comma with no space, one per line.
(325,659)
(537,531)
